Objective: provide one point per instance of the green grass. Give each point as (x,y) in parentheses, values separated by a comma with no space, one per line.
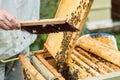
(117,36)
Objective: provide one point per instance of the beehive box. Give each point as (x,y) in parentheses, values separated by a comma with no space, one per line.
(100,15)
(98,57)
(59,47)
(101,8)
(110,76)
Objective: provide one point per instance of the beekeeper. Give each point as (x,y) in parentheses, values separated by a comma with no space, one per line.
(13,40)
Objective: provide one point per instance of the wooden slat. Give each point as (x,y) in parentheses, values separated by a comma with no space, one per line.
(82,71)
(30,70)
(50,68)
(44,22)
(100,49)
(90,63)
(96,61)
(92,71)
(42,69)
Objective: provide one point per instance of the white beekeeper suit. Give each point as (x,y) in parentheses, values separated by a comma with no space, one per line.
(13,42)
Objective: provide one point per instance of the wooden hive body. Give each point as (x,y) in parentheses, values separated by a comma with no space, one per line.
(76,12)
(73,60)
(61,45)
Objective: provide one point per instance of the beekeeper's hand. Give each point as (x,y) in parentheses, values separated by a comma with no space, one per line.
(8,21)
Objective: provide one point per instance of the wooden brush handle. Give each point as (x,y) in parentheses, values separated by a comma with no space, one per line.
(44,22)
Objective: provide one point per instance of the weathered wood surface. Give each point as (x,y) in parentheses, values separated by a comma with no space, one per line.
(100,49)
(96,61)
(82,71)
(50,68)
(61,45)
(90,63)
(30,71)
(42,69)
(75,11)
(43,22)
(90,70)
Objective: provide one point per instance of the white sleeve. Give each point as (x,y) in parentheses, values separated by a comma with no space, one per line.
(15,41)
(28,9)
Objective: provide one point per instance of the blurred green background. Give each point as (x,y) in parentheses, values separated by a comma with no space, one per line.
(47,10)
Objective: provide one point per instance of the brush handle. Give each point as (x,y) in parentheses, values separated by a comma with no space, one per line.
(44,22)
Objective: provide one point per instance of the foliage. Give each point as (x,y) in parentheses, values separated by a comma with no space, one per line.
(48,8)
(38,44)
(117,36)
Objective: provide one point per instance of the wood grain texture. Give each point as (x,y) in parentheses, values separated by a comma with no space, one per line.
(75,11)
(90,63)
(100,49)
(95,60)
(31,72)
(43,22)
(50,68)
